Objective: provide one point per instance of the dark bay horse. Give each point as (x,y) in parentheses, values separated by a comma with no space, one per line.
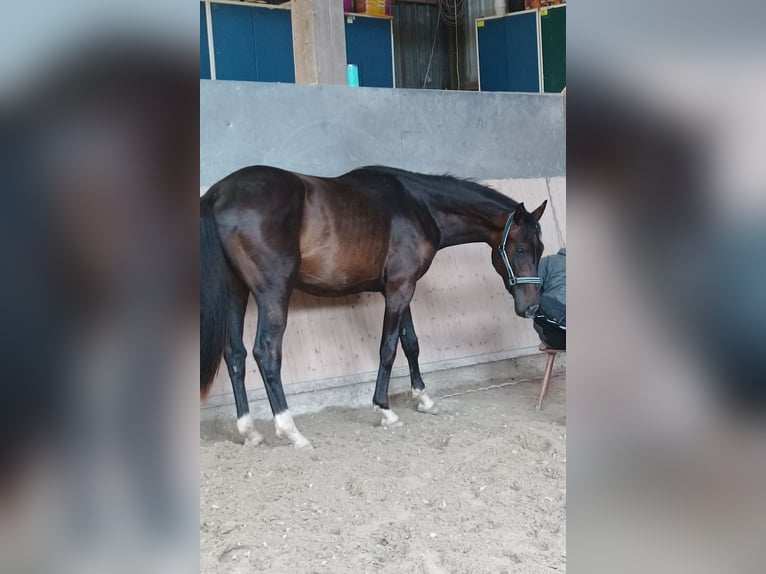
(267,231)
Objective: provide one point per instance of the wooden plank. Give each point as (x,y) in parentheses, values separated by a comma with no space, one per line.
(319,41)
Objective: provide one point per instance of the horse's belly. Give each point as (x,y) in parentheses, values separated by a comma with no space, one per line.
(343,241)
(324,273)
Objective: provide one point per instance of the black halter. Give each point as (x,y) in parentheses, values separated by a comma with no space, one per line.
(511,280)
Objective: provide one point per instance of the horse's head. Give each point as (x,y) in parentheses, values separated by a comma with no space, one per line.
(516,256)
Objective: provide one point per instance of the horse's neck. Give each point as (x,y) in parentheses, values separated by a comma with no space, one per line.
(472,217)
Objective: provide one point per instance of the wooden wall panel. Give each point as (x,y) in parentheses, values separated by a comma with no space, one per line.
(460,310)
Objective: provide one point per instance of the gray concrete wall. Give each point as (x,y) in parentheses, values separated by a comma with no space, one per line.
(328,130)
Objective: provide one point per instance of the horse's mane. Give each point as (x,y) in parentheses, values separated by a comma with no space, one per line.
(447,187)
(466,193)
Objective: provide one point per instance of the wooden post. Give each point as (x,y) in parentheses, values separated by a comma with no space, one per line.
(547,376)
(319,41)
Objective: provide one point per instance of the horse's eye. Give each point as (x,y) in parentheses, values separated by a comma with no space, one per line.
(520,250)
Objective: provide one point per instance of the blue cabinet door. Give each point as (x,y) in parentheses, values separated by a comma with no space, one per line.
(234,42)
(493,65)
(508,53)
(273,31)
(522,52)
(368,46)
(254,44)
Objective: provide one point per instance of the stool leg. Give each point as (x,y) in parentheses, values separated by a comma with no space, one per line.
(546,379)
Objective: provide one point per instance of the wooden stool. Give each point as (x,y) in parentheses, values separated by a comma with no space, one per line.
(548,372)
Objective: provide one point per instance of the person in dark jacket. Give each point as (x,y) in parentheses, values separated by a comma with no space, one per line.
(551,319)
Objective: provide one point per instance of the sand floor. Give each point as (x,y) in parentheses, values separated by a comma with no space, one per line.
(480,487)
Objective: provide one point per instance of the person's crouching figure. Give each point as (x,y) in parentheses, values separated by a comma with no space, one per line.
(551,319)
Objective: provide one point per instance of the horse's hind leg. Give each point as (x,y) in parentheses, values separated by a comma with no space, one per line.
(397,301)
(234,356)
(412,350)
(272,320)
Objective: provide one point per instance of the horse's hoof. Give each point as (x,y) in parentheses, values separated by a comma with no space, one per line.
(390,419)
(254,439)
(303,444)
(432,410)
(284,426)
(299,442)
(425,403)
(246,428)
(386,425)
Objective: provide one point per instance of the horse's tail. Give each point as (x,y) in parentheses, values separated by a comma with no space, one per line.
(213,294)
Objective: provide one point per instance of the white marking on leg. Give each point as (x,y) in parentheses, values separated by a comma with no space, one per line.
(390,419)
(285,426)
(425,403)
(246,428)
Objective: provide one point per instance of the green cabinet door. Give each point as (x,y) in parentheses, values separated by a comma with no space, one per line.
(553,32)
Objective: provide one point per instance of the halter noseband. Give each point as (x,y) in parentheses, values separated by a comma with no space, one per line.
(511,280)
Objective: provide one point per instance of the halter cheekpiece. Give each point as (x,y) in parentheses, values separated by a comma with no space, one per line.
(511,280)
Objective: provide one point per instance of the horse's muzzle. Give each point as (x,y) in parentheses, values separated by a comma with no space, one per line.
(530,311)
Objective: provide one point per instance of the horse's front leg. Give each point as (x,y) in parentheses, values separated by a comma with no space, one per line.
(412,350)
(397,300)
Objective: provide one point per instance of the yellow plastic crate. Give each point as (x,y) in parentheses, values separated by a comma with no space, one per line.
(373,7)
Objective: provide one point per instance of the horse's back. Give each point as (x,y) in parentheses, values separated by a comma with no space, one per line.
(260,187)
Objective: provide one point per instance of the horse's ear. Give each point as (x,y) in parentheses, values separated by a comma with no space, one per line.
(538,213)
(518,216)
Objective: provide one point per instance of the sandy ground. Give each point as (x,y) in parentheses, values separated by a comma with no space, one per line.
(478,488)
